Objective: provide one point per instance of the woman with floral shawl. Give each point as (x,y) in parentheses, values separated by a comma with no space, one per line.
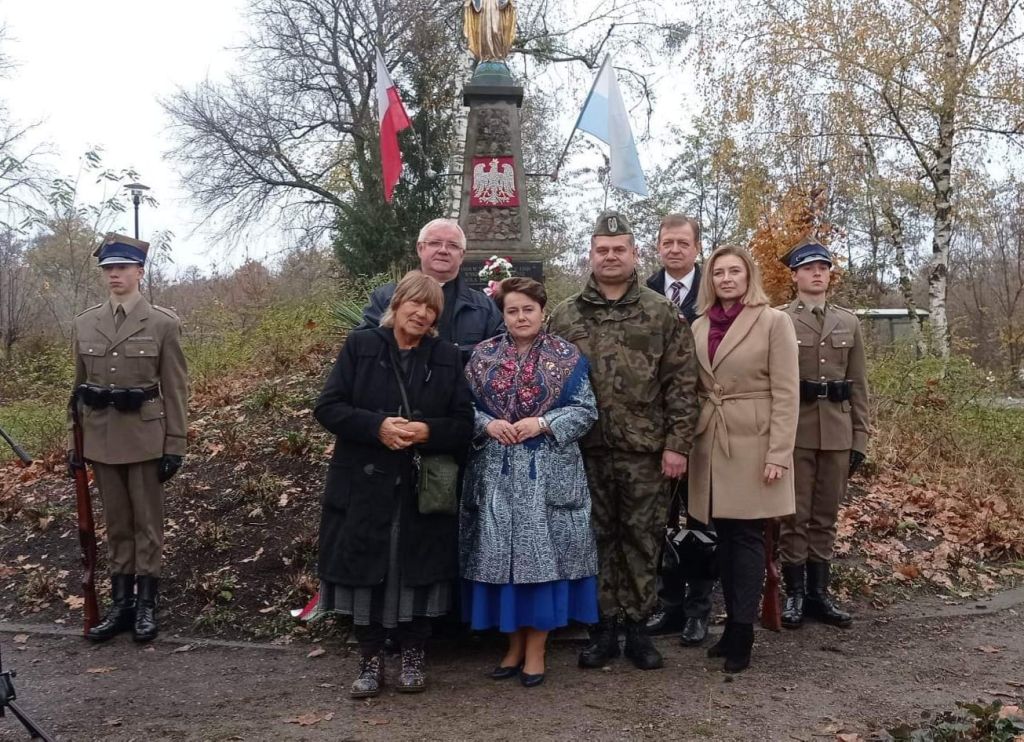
(527,552)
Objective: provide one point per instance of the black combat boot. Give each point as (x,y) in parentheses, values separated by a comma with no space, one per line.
(639,648)
(818,603)
(145,610)
(604,644)
(371,677)
(793,610)
(121,615)
(741,641)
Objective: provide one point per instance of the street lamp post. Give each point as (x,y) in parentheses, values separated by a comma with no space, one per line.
(137,190)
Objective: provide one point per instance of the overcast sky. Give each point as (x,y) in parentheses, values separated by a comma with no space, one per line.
(92,73)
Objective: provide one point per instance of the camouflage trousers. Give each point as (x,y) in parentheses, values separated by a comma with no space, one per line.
(629,500)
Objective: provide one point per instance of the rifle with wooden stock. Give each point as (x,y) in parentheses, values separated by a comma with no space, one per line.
(86,523)
(771,608)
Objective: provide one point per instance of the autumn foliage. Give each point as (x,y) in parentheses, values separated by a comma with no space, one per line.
(799,213)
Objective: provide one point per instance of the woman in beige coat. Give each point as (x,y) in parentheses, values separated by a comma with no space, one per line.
(742,459)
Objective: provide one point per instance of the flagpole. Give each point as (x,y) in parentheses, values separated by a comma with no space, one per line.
(565,151)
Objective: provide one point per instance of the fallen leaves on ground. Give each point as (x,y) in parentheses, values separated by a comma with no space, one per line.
(310,718)
(100,670)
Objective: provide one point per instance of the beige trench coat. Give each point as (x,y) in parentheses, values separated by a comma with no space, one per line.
(750,403)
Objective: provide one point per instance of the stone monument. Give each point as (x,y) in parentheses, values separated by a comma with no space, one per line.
(493,210)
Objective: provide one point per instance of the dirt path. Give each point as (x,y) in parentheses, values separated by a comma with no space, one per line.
(803,685)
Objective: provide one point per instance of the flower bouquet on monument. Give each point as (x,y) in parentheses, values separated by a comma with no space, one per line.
(495,271)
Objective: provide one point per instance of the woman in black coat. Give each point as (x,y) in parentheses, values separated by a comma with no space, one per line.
(381,561)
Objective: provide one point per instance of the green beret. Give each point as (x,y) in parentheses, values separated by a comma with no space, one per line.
(611,224)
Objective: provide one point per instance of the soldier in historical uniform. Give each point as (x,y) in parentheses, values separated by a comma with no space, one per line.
(831,439)
(644,374)
(131,386)
(684,590)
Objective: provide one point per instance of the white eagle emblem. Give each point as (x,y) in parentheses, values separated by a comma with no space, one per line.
(494,186)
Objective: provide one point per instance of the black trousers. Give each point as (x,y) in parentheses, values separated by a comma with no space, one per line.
(410,634)
(741,566)
(676,589)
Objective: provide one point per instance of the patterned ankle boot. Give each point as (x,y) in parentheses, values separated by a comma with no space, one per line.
(412,678)
(371,677)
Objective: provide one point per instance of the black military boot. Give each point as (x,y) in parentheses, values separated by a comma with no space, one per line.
(818,603)
(604,644)
(145,610)
(741,642)
(121,615)
(793,610)
(639,648)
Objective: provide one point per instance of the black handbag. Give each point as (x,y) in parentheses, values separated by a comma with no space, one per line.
(689,553)
(437,474)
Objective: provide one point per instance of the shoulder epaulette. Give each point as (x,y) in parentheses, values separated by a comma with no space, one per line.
(784,307)
(85,311)
(169,312)
(844,309)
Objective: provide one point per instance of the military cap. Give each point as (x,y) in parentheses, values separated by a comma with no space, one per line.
(117,249)
(611,224)
(807,250)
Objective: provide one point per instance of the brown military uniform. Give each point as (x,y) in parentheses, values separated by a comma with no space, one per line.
(125,447)
(826,432)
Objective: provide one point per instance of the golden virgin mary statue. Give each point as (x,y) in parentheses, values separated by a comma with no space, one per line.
(490,27)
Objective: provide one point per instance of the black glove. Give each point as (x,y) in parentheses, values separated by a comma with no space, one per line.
(169,466)
(73,464)
(856,461)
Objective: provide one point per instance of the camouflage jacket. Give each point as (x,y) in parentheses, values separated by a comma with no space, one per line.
(643,367)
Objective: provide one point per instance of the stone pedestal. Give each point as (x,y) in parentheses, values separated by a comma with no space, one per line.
(494,212)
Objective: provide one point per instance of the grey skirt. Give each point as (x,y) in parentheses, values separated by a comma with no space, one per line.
(390,602)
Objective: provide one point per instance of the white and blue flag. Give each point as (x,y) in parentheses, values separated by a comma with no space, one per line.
(604,116)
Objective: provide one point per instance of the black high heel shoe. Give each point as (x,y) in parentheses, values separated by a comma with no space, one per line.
(504,673)
(531,681)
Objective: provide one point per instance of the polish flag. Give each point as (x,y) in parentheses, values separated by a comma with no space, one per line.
(393,119)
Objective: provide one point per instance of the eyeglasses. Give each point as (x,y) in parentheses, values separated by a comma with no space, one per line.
(438,244)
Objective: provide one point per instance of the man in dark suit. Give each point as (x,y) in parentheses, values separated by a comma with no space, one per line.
(684,593)
(679,277)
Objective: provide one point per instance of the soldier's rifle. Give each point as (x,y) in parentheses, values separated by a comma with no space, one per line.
(771,609)
(18,450)
(86,523)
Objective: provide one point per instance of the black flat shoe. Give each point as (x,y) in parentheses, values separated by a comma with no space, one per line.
(504,673)
(531,681)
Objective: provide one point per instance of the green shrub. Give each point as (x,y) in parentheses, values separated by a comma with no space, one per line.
(931,416)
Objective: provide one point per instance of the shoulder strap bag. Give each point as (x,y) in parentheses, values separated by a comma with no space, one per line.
(437,474)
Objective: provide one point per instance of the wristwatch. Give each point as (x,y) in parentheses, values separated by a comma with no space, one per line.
(543,425)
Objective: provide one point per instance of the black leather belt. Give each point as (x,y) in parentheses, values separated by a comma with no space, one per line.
(834,391)
(122,399)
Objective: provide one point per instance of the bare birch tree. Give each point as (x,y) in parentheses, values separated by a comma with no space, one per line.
(932,84)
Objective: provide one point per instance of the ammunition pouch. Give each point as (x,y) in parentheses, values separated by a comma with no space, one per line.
(122,399)
(833,391)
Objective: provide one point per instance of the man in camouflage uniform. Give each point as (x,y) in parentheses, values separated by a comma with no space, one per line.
(644,372)
(831,437)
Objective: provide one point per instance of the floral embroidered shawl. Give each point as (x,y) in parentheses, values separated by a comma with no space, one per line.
(511,388)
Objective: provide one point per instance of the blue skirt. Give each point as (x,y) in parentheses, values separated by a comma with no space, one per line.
(543,605)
